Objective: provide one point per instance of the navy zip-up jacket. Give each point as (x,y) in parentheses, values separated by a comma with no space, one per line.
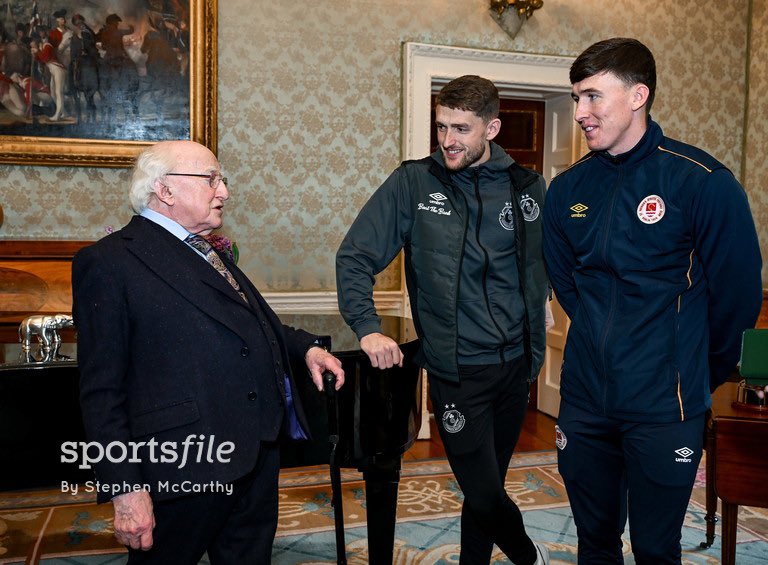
(654,256)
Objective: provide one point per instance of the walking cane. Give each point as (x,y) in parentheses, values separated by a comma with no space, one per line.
(329,384)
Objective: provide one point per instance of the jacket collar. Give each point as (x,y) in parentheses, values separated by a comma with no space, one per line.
(650,141)
(179,266)
(520,176)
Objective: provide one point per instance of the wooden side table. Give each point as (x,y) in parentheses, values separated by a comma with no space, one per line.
(737,464)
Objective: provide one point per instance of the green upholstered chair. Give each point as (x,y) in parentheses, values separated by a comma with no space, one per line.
(754,357)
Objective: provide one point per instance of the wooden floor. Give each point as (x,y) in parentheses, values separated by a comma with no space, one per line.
(538,434)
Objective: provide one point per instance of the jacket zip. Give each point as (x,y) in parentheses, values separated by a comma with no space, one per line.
(486,261)
(609,318)
(456,189)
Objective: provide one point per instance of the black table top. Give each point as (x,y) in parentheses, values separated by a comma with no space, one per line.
(12,357)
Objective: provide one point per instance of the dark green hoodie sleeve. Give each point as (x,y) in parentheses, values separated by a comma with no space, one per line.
(377,235)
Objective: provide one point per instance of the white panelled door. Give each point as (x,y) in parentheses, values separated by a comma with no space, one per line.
(561,145)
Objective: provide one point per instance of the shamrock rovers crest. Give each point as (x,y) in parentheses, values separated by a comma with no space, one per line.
(507,217)
(529,207)
(453,420)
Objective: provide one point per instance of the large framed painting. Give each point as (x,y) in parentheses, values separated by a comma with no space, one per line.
(93,82)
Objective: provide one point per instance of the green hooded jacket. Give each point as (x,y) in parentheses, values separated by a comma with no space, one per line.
(422,209)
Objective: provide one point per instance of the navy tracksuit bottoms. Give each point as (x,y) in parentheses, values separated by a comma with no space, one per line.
(614,470)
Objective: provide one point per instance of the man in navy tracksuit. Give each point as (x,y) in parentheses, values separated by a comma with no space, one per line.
(652,252)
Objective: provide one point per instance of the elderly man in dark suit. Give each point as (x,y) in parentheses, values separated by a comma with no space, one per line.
(186,384)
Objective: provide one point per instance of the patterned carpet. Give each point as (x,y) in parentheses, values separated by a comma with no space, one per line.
(56,529)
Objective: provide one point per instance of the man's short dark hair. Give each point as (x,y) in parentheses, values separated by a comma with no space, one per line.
(471,93)
(626,58)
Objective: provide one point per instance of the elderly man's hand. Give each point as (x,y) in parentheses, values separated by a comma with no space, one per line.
(383,351)
(318,361)
(134,519)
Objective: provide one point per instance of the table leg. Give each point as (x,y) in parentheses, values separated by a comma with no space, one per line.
(381,508)
(730,512)
(711,516)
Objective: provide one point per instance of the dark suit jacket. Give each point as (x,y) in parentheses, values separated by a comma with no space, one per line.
(167,349)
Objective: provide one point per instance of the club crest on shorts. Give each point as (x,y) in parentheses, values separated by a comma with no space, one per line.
(560,440)
(530,208)
(453,420)
(651,209)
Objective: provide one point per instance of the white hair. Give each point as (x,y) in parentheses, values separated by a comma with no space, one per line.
(151,165)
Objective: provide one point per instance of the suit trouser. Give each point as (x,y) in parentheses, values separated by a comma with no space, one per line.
(613,469)
(479,419)
(234,529)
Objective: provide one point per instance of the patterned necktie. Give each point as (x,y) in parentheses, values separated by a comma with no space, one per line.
(200,243)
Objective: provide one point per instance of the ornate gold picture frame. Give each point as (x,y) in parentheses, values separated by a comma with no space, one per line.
(115,140)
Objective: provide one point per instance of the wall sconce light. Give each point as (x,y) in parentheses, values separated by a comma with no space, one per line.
(511,14)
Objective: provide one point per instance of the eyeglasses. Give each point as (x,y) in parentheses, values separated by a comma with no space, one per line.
(214,177)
